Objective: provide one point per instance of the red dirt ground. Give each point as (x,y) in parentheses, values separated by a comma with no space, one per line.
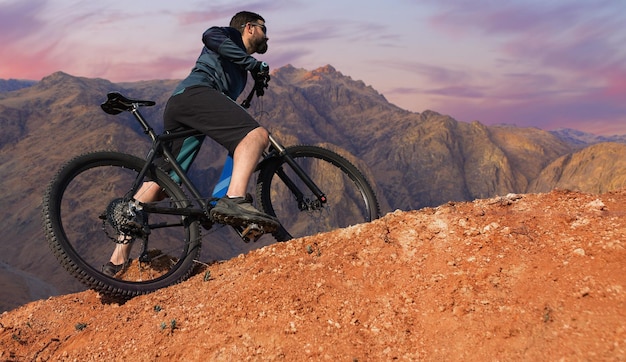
(520,277)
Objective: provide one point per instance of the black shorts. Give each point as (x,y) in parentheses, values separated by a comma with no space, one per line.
(210,112)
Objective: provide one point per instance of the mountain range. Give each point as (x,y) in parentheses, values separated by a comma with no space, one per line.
(8,85)
(583,139)
(415,160)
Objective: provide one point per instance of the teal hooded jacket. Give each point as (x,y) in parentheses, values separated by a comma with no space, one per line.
(223,63)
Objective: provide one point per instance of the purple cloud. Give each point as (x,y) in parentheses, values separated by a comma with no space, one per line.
(212,12)
(505,17)
(20,19)
(572,52)
(574,35)
(282,57)
(433,73)
(456,92)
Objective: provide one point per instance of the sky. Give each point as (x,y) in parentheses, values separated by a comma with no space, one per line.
(531,63)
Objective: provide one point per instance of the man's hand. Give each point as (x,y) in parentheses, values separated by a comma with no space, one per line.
(261,76)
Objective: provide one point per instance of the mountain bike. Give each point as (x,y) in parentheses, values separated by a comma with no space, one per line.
(88,207)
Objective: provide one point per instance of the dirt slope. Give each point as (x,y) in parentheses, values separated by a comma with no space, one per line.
(521,277)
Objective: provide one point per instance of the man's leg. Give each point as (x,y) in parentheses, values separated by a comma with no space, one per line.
(245,159)
(235,208)
(217,116)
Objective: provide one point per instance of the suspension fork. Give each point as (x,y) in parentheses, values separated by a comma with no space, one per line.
(282,153)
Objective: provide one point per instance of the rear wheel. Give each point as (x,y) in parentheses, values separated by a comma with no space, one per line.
(281,193)
(81,212)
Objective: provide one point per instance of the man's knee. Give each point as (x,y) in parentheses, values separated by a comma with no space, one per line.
(259,136)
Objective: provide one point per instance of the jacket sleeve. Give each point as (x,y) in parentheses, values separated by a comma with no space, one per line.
(217,40)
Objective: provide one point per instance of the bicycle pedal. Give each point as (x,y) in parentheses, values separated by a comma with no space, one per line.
(251,232)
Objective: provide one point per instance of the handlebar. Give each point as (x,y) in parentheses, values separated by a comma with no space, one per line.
(261,80)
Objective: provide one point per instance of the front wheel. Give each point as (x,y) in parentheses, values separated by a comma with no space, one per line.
(282,193)
(81,202)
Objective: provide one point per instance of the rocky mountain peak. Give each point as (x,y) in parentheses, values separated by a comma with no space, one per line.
(58,79)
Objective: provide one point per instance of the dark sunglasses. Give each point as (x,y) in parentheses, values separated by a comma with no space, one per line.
(263,27)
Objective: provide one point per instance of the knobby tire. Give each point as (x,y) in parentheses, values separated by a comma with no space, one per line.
(72,205)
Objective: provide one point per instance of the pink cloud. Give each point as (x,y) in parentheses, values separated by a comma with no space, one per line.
(615,78)
(160,68)
(28,64)
(30,42)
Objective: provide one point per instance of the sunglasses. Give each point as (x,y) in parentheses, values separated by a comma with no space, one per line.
(263,27)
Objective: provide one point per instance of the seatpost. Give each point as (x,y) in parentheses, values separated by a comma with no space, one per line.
(146,127)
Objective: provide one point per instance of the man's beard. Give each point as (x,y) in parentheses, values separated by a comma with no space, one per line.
(261,48)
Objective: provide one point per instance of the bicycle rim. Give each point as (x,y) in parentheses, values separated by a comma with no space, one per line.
(351,199)
(73,209)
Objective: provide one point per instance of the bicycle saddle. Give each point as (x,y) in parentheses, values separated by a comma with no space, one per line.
(117,103)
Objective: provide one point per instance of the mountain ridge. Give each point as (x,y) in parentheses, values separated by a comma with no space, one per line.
(572,136)
(581,139)
(9,85)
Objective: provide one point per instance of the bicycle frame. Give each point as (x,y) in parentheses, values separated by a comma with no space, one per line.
(276,150)
(157,146)
(90,205)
